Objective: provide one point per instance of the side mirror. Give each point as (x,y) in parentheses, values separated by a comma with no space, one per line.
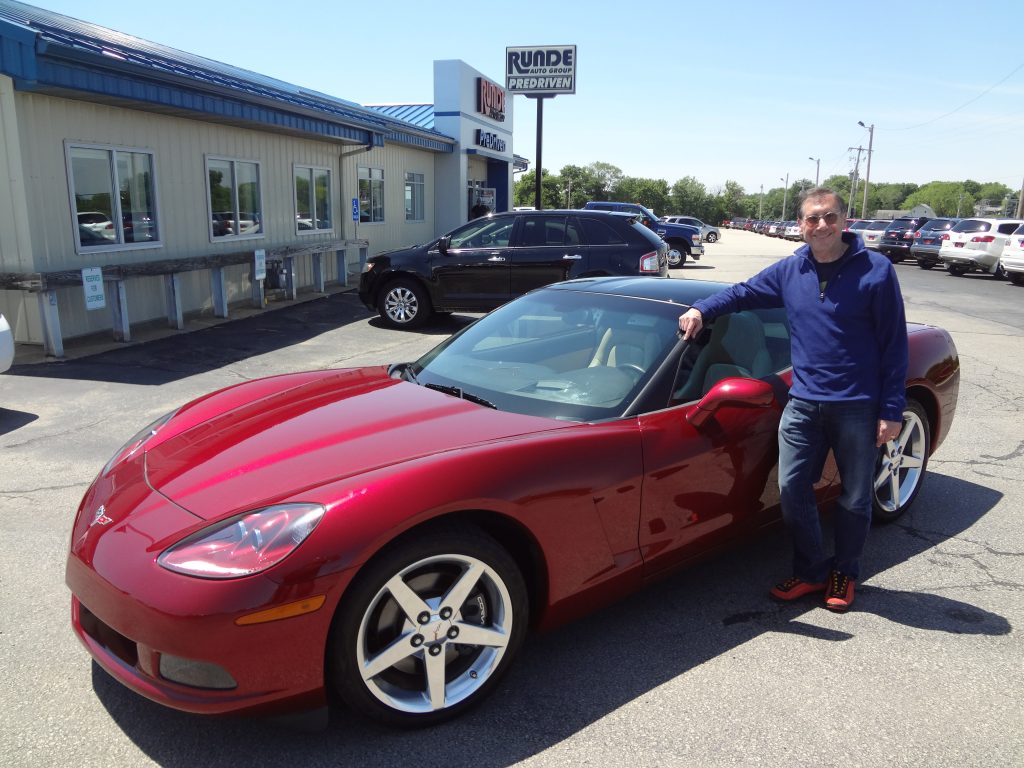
(734,392)
(444,244)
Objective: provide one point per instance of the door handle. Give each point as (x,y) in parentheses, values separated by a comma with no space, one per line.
(572,257)
(496,258)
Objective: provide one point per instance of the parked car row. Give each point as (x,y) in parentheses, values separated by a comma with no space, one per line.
(992,246)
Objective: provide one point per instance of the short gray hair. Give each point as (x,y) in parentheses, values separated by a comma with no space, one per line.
(816,192)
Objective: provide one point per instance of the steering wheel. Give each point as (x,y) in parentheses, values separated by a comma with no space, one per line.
(632,369)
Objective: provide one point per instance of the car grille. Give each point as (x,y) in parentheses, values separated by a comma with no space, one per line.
(109,638)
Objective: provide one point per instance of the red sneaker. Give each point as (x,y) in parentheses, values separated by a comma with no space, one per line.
(794,588)
(839,595)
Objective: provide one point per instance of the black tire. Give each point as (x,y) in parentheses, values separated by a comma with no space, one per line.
(490,618)
(1017,278)
(901,465)
(711,238)
(926,264)
(404,303)
(677,256)
(957,270)
(1000,273)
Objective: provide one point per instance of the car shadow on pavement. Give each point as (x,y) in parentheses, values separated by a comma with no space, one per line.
(567,679)
(11,420)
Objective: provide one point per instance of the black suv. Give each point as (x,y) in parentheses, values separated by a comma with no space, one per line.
(684,241)
(899,236)
(493,259)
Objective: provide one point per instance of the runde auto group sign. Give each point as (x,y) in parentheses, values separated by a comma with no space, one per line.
(541,70)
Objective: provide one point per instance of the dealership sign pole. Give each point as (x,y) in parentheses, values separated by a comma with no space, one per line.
(540,72)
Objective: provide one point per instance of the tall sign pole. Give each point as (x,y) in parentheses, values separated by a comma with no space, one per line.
(540,72)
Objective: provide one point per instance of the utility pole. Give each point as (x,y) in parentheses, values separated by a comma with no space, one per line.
(760,204)
(867,177)
(785,192)
(853,183)
(1020,202)
(817,169)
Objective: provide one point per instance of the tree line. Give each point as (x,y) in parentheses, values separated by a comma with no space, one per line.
(576,185)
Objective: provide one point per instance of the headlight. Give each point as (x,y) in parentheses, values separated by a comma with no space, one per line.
(137,441)
(245,544)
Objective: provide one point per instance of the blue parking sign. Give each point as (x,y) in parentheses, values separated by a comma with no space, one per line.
(355,209)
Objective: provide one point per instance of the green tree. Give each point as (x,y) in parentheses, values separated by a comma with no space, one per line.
(652,193)
(690,197)
(524,192)
(605,177)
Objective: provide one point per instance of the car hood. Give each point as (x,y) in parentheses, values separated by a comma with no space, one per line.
(272,448)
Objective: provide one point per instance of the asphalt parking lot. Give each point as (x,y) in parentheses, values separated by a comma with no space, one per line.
(701,669)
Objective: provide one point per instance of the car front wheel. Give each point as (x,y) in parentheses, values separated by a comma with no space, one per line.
(404,304)
(901,463)
(428,628)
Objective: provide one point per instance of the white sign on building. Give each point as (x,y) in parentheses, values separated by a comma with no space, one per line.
(92,283)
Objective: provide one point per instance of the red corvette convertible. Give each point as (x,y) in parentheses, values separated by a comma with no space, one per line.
(390,533)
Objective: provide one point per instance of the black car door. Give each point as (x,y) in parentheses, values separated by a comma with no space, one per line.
(473,270)
(545,249)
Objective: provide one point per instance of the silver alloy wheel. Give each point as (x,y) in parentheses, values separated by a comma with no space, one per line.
(401,304)
(901,465)
(676,257)
(434,633)
(712,237)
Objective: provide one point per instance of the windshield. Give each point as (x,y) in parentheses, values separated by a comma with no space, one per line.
(561,354)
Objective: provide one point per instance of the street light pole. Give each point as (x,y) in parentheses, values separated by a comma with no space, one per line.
(867,175)
(760,204)
(817,169)
(785,192)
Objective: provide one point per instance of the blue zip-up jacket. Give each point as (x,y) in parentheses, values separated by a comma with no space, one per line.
(848,342)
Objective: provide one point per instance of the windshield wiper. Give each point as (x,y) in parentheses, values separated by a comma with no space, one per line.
(461,393)
(404,371)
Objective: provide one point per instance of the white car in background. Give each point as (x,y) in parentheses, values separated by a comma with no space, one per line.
(976,245)
(1012,258)
(872,233)
(6,344)
(708,233)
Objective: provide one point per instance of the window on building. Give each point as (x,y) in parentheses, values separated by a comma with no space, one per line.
(312,199)
(414,191)
(113,197)
(236,207)
(371,194)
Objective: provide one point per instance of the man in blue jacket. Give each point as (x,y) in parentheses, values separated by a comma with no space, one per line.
(849,353)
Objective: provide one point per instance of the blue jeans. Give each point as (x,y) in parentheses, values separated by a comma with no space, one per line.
(806,432)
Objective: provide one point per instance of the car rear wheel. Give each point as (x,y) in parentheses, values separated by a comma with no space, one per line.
(404,304)
(1017,278)
(959,270)
(901,463)
(711,238)
(925,264)
(428,628)
(676,256)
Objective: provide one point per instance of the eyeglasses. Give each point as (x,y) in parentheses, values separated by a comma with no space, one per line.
(830,218)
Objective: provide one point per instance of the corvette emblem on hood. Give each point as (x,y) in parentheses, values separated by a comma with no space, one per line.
(100,517)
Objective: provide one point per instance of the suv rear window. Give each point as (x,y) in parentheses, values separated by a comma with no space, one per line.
(937,225)
(972,225)
(600,233)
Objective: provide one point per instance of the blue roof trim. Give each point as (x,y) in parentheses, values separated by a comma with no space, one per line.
(45,51)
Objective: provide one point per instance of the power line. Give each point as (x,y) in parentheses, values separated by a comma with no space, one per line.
(966,103)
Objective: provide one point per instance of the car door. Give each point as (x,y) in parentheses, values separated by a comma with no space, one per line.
(472,271)
(545,249)
(706,484)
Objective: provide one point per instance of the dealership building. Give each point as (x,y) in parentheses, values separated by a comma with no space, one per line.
(143,184)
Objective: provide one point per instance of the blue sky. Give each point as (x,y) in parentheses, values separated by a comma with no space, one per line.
(739,90)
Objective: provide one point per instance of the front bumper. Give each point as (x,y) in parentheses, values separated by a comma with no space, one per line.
(144,624)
